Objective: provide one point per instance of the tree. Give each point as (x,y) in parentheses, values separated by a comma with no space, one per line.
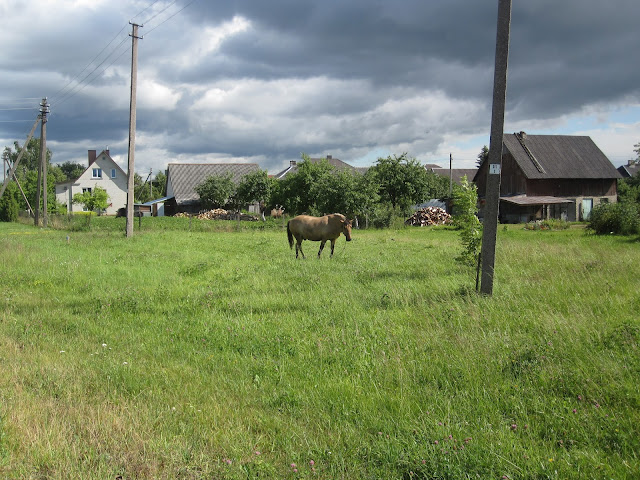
(9,204)
(465,204)
(215,191)
(637,150)
(295,190)
(72,170)
(403,181)
(94,201)
(254,187)
(483,156)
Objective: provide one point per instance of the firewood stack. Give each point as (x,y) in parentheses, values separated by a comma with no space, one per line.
(222,214)
(428,216)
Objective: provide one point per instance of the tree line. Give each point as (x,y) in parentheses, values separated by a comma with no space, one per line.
(387,189)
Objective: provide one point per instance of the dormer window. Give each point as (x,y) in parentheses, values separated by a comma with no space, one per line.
(97,173)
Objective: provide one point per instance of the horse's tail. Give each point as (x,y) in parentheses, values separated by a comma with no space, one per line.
(289,235)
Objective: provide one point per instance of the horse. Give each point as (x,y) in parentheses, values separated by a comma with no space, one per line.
(317,229)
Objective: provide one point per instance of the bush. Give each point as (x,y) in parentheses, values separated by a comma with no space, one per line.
(9,205)
(618,218)
(465,204)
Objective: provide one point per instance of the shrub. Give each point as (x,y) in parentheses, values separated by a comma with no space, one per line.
(619,218)
(465,204)
(9,205)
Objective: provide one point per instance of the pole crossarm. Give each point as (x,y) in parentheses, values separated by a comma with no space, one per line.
(13,169)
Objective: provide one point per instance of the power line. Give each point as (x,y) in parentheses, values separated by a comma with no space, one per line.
(169,18)
(68,94)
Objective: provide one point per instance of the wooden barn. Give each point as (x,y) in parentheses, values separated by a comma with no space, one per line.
(550,177)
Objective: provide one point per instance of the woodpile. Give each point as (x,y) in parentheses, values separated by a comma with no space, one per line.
(428,216)
(221,214)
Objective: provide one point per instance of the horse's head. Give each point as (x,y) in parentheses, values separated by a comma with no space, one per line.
(346,229)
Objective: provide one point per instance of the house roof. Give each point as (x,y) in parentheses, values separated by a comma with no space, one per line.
(456,173)
(629,170)
(185,177)
(335,162)
(558,156)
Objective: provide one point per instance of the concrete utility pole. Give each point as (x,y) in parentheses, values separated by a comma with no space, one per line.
(490,229)
(132,128)
(44,109)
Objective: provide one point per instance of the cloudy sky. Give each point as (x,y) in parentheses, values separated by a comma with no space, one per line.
(266,80)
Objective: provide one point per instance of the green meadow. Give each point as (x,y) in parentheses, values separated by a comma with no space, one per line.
(205,350)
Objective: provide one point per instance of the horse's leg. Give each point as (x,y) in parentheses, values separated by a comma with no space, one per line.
(299,247)
(333,244)
(321,247)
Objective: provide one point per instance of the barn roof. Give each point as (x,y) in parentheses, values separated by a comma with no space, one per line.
(558,156)
(183,178)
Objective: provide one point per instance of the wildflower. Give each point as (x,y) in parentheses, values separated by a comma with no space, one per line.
(551,459)
(257,452)
(580,397)
(312,463)
(514,426)
(436,442)
(104,345)
(575,411)
(293,465)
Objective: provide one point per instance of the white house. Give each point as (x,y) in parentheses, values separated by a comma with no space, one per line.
(102,172)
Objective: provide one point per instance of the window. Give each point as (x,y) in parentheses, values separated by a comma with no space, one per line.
(88,189)
(113,173)
(97,173)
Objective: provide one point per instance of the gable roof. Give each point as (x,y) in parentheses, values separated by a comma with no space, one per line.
(456,173)
(334,162)
(183,178)
(629,170)
(558,156)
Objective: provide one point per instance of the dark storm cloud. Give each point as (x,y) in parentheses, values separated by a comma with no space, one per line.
(268,80)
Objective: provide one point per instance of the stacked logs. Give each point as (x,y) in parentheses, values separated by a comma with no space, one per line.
(428,216)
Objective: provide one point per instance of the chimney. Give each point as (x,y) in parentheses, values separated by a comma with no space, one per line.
(292,163)
(92,156)
(523,135)
(329,157)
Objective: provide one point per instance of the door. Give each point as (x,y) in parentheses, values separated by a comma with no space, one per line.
(587,205)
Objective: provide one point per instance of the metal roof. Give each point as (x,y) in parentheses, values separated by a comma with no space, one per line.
(183,178)
(558,156)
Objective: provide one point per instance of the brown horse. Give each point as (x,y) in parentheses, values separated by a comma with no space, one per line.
(317,229)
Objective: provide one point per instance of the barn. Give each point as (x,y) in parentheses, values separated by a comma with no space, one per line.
(550,177)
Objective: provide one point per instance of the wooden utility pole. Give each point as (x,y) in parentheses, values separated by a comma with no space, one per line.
(44,109)
(132,128)
(490,228)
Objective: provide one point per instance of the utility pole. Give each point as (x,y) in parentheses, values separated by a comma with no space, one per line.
(132,127)
(44,109)
(490,229)
(450,175)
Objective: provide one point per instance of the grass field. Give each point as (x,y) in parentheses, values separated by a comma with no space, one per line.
(205,350)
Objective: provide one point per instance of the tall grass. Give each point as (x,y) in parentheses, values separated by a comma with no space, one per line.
(216,354)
